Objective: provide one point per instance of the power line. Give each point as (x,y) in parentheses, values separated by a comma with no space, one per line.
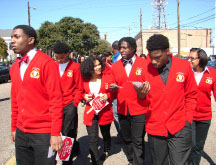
(200,20)
(194,16)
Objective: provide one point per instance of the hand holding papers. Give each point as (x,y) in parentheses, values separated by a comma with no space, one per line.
(97,103)
(66,149)
(142,89)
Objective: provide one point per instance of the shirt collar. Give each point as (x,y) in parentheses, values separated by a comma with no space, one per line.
(133,58)
(32,53)
(167,65)
(206,69)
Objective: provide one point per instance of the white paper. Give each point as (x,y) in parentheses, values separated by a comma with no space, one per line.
(50,152)
(137,84)
(66,149)
(98,110)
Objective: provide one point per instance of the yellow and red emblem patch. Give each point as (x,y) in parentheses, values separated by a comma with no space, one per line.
(138,71)
(70,73)
(35,73)
(209,80)
(180,77)
(106,86)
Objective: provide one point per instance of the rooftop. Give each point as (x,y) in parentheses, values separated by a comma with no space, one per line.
(5,32)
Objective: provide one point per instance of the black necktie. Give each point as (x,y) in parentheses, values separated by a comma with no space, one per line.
(125,61)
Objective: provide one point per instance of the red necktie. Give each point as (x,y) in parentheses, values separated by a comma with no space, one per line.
(24,58)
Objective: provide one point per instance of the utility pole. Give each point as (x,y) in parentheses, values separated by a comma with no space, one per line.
(29,23)
(215,26)
(179,37)
(141,40)
(129,31)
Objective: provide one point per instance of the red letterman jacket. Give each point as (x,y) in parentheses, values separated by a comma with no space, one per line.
(207,84)
(127,96)
(36,102)
(173,104)
(71,83)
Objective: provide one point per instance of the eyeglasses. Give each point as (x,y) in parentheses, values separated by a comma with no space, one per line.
(192,58)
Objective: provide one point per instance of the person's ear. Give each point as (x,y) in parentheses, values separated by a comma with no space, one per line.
(31,40)
(167,51)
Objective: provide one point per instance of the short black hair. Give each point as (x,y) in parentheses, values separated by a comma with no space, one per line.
(61,47)
(28,30)
(107,54)
(87,67)
(157,42)
(115,45)
(203,58)
(131,41)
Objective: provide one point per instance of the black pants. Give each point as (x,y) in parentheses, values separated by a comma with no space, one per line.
(174,149)
(133,131)
(32,149)
(93,139)
(200,132)
(69,128)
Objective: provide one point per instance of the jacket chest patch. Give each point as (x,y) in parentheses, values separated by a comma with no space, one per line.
(208,80)
(138,71)
(180,77)
(106,86)
(70,73)
(35,73)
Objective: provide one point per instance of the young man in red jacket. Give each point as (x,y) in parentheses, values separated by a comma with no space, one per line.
(131,102)
(173,97)
(71,83)
(36,100)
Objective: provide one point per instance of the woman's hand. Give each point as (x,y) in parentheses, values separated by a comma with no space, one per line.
(88,97)
(103,97)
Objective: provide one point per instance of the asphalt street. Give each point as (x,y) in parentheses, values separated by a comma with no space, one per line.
(117,152)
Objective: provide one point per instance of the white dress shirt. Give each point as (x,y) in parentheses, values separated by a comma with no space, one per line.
(23,65)
(128,66)
(198,76)
(62,68)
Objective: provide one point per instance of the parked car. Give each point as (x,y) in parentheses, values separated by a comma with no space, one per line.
(212,57)
(212,64)
(4,72)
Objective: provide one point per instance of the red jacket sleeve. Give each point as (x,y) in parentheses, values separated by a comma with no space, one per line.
(14,106)
(190,95)
(79,86)
(53,87)
(214,86)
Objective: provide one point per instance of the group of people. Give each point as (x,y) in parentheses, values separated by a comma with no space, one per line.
(161,95)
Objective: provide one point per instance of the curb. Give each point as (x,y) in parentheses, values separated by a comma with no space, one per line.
(12,161)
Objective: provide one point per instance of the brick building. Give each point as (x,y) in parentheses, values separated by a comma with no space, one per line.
(200,38)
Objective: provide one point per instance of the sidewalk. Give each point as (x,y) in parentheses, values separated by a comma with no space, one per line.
(117,153)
